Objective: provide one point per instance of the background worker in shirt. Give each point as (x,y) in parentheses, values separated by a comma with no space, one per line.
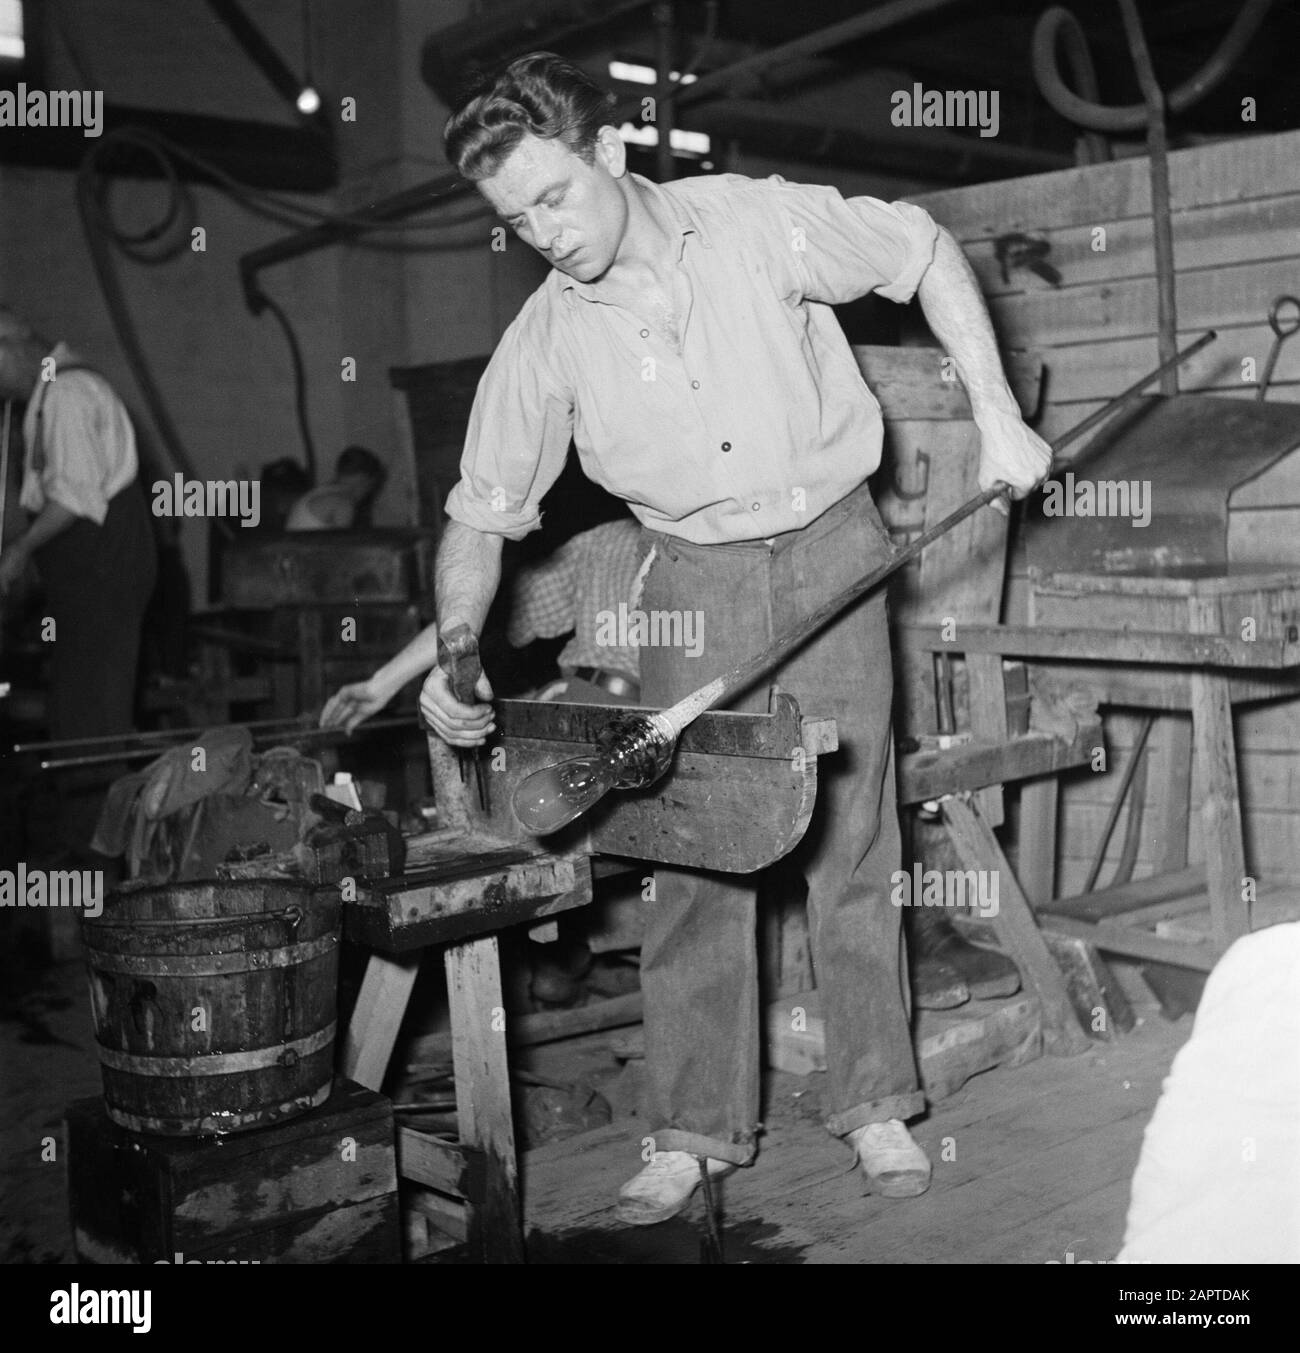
(578,590)
(358,477)
(89,536)
(564,593)
(685,341)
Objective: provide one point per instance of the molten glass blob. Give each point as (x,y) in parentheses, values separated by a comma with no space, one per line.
(631,753)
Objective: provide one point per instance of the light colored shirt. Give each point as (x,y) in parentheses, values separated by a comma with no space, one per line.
(576,588)
(762,420)
(326,508)
(1218,1180)
(85,452)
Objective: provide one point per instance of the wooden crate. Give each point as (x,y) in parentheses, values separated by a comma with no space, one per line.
(321,1189)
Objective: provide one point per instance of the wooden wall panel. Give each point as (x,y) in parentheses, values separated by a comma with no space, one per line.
(1236,225)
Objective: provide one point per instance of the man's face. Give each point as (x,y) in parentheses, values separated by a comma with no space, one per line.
(573,213)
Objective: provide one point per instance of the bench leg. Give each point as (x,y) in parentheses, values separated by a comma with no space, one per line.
(372,1030)
(1225,851)
(1016,927)
(478,1046)
(1037,858)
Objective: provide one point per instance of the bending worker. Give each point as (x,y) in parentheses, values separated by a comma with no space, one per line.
(685,342)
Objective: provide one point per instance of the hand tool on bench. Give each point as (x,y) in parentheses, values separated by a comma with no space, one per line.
(634,751)
(1282,330)
(355,843)
(458,656)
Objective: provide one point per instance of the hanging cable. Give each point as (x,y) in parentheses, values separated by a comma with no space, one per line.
(299,385)
(1086,112)
(169,235)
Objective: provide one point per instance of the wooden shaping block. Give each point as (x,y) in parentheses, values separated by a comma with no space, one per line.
(321,1189)
(738,795)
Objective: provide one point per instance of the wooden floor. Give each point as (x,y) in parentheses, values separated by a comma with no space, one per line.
(1030,1164)
(1037,1165)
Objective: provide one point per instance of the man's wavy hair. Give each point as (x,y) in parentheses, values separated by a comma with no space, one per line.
(539,93)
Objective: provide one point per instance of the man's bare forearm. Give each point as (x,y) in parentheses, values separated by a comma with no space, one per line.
(467,575)
(954,308)
(417,658)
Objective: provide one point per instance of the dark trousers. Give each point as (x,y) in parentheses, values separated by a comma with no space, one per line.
(699,969)
(98,580)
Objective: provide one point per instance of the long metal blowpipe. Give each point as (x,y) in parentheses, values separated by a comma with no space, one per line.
(634,751)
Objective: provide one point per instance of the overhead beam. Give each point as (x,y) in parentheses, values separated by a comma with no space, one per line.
(414,199)
(917,152)
(875,20)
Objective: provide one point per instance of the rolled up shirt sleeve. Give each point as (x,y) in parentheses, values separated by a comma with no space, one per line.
(840,249)
(518,435)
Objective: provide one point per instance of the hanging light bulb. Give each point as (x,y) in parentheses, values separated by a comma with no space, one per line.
(308,99)
(631,753)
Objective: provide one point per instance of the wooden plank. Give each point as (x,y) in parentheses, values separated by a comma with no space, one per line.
(1273,842)
(1203,176)
(1206,300)
(1225,851)
(1125,897)
(1048,641)
(978,849)
(1099,366)
(546,1026)
(912,383)
(1118,939)
(1036,860)
(447,1166)
(988,719)
(405,913)
(377,1016)
(446,1214)
(961,581)
(1209,236)
(1173,799)
(483,1095)
(929,775)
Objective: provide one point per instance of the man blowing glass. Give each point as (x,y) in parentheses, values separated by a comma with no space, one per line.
(685,342)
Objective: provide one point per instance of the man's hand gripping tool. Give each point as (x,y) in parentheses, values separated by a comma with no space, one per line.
(458,656)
